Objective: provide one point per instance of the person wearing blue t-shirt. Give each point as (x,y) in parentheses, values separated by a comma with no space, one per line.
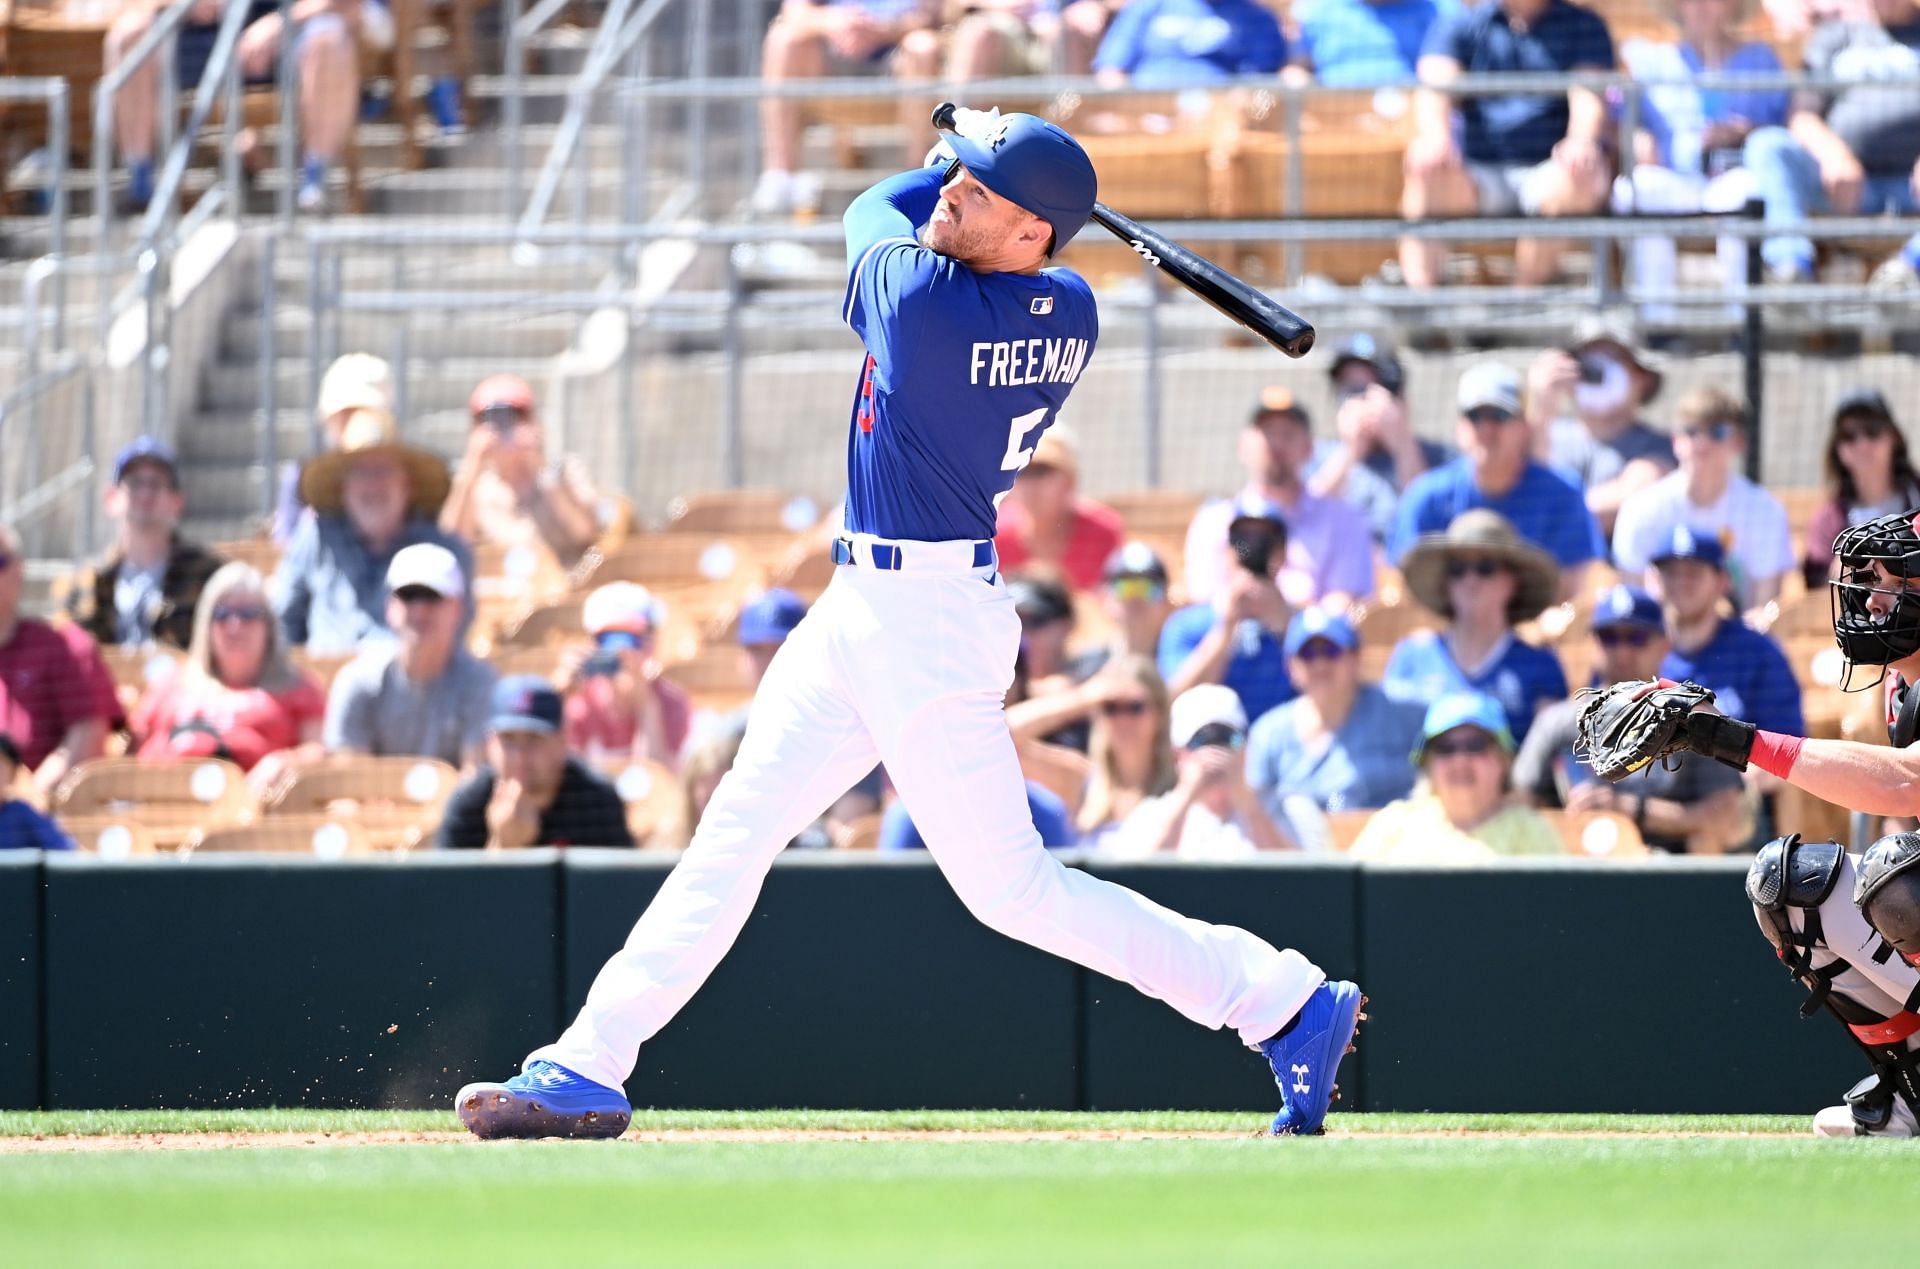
(1341,743)
(1235,640)
(1485,581)
(1750,676)
(1051,820)
(1363,43)
(21,826)
(1183,43)
(1511,154)
(1496,470)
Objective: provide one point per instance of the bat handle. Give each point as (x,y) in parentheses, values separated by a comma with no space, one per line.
(943,116)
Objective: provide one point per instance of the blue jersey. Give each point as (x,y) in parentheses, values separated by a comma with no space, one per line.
(964,370)
(1522,678)
(1750,676)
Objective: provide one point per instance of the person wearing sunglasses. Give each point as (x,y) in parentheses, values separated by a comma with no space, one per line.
(1133,595)
(1497,471)
(1710,494)
(57,697)
(1129,749)
(1210,812)
(506,493)
(421,692)
(145,588)
(619,705)
(1341,743)
(1462,811)
(235,696)
(1585,403)
(1869,474)
(1046,521)
(1690,804)
(1483,580)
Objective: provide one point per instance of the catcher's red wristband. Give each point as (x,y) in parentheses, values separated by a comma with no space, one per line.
(1775,754)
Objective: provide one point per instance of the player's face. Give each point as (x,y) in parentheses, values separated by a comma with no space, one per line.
(1887,589)
(976,226)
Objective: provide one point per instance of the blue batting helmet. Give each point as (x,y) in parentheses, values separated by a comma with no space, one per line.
(1036,165)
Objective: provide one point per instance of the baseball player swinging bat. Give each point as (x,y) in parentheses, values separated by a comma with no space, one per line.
(1243,303)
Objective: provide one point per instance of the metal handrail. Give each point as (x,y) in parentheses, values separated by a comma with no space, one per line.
(158,39)
(60,131)
(222,75)
(518,28)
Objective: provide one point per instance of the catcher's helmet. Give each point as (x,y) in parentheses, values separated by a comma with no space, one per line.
(1866,638)
(1888,891)
(1036,165)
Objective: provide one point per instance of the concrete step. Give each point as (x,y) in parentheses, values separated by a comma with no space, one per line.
(529,336)
(432,384)
(457,192)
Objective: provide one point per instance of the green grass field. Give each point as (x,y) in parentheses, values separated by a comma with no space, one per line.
(936,1189)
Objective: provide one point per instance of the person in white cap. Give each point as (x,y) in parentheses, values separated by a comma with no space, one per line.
(1210,813)
(618,705)
(355,381)
(422,693)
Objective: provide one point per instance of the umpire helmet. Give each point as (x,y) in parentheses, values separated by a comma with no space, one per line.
(1036,165)
(1864,638)
(1888,891)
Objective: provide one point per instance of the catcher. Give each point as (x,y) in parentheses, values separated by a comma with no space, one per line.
(1847,927)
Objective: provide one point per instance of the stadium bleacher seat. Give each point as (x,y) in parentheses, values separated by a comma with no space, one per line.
(325,836)
(172,800)
(395,800)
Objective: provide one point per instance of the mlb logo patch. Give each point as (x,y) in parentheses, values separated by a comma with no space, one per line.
(1042,306)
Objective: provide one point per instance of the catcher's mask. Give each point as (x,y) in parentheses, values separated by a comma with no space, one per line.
(1864,637)
(1888,891)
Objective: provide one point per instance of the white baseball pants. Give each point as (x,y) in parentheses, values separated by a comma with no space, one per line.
(910,668)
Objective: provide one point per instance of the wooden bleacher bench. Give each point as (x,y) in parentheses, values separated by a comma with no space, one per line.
(172,800)
(324,836)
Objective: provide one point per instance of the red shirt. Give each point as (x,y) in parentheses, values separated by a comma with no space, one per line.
(598,728)
(251,722)
(1095,534)
(50,679)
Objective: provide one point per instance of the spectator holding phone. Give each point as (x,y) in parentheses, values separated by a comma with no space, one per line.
(618,704)
(1211,812)
(507,493)
(1584,405)
(1235,639)
(1377,455)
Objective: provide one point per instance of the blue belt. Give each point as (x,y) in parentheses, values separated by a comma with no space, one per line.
(890,556)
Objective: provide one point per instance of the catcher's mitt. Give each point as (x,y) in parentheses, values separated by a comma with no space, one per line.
(1625,727)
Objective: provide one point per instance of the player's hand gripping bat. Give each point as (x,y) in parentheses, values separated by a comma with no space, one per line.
(1240,301)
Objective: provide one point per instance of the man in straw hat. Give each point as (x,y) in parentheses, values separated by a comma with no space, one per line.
(372,497)
(1584,404)
(1496,470)
(1485,580)
(355,381)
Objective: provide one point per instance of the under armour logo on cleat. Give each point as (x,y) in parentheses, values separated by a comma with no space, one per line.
(556,1077)
(1300,1073)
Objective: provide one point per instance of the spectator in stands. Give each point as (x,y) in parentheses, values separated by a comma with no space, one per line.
(1853,151)
(1711,496)
(506,493)
(1133,597)
(372,497)
(1131,755)
(1210,812)
(812,40)
(1052,819)
(1235,639)
(235,696)
(1484,580)
(1045,520)
(1341,743)
(1362,43)
(1514,154)
(1869,474)
(1584,405)
(1377,455)
(531,792)
(1749,674)
(22,826)
(1496,471)
(56,695)
(618,703)
(143,590)
(326,53)
(1328,556)
(1462,811)
(1687,152)
(420,692)
(1158,44)
(765,622)
(994,39)
(1046,623)
(355,381)
(1688,803)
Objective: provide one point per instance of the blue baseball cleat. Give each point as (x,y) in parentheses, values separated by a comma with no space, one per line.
(1306,1055)
(545,1100)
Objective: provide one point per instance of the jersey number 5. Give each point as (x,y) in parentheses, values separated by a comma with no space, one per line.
(1019,448)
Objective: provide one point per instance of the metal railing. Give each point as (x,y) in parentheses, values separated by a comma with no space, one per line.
(53,92)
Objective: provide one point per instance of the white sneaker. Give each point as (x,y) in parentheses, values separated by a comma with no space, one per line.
(1837,1121)
(772,193)
(311,199)
(803,192)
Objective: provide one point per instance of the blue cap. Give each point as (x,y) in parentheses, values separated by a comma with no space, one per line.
(1627,606)
(770,617)
(1464,709)
(1251,506)
(1036,165)
(1318,623)
(525,702)
(145,449)
(1686,543)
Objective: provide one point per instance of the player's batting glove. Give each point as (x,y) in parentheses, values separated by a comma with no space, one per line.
(975,125)
(1628,726)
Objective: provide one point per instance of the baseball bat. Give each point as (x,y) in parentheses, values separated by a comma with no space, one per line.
(1237,300)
